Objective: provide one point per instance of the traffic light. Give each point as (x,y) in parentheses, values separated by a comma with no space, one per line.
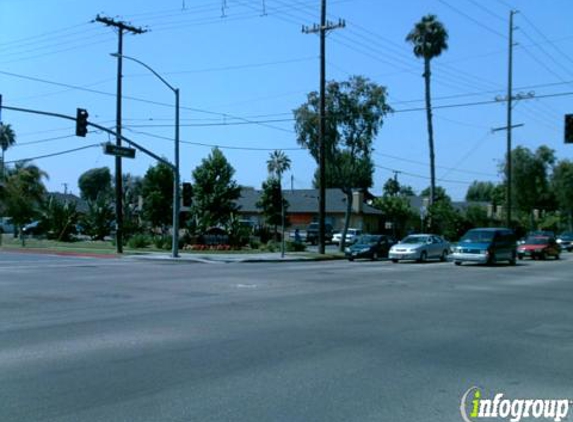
(187,197)
(569,128)
(81,122)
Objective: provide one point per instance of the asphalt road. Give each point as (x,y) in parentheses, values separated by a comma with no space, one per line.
(89,340)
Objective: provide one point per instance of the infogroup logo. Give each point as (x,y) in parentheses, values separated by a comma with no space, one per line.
(474,407)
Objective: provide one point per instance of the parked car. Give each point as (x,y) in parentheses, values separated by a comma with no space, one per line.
(372,246)
(536,233)
(565,240)
(486,246)
(351,236)
(420,247)
(539,247)
(33,229)
(312,233)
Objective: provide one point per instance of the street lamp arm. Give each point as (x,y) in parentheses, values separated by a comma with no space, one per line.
(147,67)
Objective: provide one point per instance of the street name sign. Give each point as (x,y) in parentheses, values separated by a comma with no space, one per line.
(118,151)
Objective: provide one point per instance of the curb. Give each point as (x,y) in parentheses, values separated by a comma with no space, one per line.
(42,251)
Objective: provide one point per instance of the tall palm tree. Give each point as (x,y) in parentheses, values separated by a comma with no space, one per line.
(429,38)
(277,164)
(7,139)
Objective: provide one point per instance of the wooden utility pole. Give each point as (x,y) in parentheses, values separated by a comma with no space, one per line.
(121,28)
(322,29)
(509,105)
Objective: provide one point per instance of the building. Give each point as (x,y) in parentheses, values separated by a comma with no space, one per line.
(303,209)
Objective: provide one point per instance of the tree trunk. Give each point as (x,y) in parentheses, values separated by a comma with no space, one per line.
(2,165)
(427,75)
(348,194)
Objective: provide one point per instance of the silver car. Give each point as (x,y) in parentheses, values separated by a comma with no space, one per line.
(420,247)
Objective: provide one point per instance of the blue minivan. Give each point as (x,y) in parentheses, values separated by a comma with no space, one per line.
(486,246)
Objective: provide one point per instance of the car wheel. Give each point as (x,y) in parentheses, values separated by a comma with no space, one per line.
(395,261)
(458,263)
(375,256)
(423,257)
(512,261)
(351,259)
(557,256)
(491,259)
(444,256)
(520,256)
(542,256)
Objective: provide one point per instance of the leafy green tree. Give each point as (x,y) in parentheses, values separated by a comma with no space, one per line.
(132,191)
(530,181)
(95,182)
(59,218)
(476,216)
(22,193)
(214,191)
(157,192)
(97,222)
(395,205)
(429,39)
(354,113)
(271,203)
(562,183)
(392,187)
(480,192)
(442,217)
(7,139)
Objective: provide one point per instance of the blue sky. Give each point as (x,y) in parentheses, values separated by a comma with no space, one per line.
(243,65)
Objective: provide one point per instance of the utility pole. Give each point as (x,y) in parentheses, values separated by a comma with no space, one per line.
(121,28)
(322,29)
(509,101)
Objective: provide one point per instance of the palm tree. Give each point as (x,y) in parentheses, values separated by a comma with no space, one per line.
(429,38)
(277,164)
(7,139)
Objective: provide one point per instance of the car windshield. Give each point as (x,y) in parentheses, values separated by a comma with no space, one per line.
(478,236)
(367,239)
(567,235)
(415,239)
(537,241)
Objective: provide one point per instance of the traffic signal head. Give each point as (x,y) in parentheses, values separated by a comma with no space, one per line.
(187,196)
(81,122)
(569,128)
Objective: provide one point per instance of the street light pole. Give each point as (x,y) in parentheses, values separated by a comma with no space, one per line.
(176,201)
(176,194)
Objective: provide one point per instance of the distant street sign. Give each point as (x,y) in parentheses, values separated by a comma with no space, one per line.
(125,152)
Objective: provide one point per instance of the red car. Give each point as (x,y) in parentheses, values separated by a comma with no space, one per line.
(539,247)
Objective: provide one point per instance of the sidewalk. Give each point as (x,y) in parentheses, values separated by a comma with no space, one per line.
(225,258)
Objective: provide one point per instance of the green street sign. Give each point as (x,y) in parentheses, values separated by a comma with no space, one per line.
(125,152)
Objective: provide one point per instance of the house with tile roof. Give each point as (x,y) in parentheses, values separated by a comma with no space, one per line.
(303,209)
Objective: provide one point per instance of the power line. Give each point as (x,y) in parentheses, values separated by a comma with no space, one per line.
(480,24)
(94,91)
(211,145)
(54,154)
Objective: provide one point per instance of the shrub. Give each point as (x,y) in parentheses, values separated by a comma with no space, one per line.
(272,246)
(139,241)
(254,243)
(295,247)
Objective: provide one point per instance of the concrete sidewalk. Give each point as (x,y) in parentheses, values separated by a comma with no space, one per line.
(212,258)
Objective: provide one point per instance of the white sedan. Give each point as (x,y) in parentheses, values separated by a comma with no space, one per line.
(351,236)
(420,247)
